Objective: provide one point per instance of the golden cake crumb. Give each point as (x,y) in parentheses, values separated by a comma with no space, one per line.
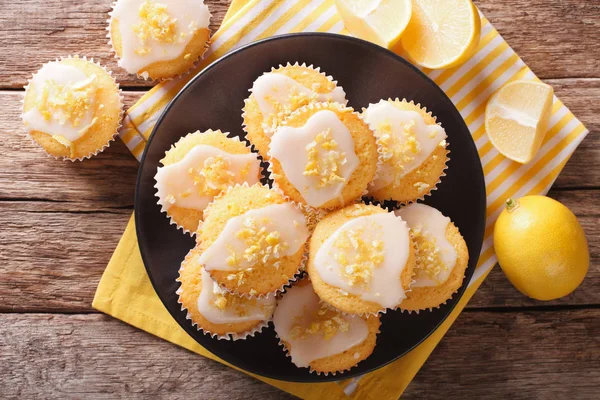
(324,160)
(155,24)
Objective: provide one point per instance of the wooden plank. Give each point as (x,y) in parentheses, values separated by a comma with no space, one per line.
(523,355)
(52,256)
(557,39)
(53,260)
(33,32)
(107,180)
(95,356)
(519,355)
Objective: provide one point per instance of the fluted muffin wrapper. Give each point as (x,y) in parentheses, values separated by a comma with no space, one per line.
(395,204)
(280,67)
(385,309)
(273,175)
(145,76)
(121,110)
(227,336)
(311,370)
(430,309)
(161,202)
(302,265)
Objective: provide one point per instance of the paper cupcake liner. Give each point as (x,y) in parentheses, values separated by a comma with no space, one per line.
(145,76)
(273,176)
(302,265)
(279,68)
(383,310)
(442,303)
(121,109)
(227,336)
(310,369)
(161,202)
(395,204)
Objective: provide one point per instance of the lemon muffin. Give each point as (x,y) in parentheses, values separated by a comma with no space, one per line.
(319,338)
(216,312)
(252,240)
(199,167)
(442,257)
(361,259)
(412,147)
(159,39)
(276,94)
(323,155)
(72,108)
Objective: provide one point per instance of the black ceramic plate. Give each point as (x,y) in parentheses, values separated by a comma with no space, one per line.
(214,99)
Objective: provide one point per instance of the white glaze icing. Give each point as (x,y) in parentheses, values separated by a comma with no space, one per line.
(292,146)
(432,224)
(60,79)
(241,310)
(230,252)
(385,118)
(384,250)
(298,306)
(186,184)
(274,93)
(186,17)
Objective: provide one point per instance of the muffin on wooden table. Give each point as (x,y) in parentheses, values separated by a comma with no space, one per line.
(159,39)
(72,108)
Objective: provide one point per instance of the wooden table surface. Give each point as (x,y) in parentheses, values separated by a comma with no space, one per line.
(61,221)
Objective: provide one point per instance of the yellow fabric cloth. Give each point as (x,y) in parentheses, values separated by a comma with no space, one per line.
(125,291)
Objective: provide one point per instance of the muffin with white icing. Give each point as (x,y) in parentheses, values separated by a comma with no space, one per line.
(199,167)
(412,147)
(159,39)
(276,94)
(72,108)
(319,338)
(213,310)
(324,155)
(252,240)
(361,259)
(442,257)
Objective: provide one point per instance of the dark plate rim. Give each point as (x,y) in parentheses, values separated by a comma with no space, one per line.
(480,229)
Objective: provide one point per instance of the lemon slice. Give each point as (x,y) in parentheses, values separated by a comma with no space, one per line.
(378,21)
(516,118)
(442,33)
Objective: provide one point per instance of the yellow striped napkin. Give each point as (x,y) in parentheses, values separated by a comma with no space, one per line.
(125,291)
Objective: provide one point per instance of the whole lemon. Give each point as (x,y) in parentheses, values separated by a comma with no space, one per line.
(541,247)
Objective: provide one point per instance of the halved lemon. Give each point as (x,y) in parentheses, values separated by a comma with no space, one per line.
(442,33)
(378,21)
(517,117)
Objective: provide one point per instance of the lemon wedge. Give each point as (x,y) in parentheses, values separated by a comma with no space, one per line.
(442,33)
(378,21)
(517,117)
